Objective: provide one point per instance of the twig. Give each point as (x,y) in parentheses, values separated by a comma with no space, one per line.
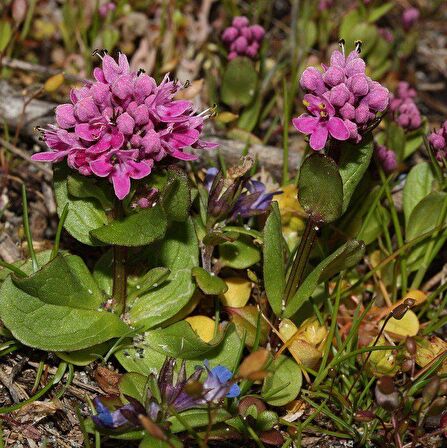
(20,153)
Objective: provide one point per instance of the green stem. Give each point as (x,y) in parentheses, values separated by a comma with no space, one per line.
(119,291)
(27,229)
(300,262)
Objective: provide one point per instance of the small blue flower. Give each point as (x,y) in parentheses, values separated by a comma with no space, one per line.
(218,384)
(108,419)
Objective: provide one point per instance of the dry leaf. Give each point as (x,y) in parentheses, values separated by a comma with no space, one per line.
(107,380)
(203,326)
(254,363)
(238,293)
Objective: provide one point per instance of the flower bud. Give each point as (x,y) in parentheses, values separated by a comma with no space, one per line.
(230,34)
(410,345)
(386,395)
(430,390)
(240,22)
(364,416)
(19,9)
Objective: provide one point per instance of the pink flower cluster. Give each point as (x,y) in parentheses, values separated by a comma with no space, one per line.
(342,100)
(243,39)
(106,8)
(386,157)
(120,125)
(403,107)
(438,141)
(410,17)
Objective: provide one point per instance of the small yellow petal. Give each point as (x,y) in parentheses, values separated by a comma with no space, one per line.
(203,326)
(239,291)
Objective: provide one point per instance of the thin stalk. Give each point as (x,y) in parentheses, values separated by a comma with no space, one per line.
(27,230)
(119,290)
(13,268)
(59,231)
(300,262)
(399,237)
(285,135)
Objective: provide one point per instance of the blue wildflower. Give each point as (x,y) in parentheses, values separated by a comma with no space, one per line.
(122,418)
(218,384)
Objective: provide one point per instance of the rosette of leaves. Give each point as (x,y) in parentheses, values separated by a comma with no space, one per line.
(61,306)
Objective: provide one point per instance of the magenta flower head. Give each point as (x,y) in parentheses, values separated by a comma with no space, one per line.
(405,111)
(121,125)
(342,102)
(243,39)
(386,158)
(410,16)
(438,142)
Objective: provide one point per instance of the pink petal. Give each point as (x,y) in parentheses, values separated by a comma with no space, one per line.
(180,138)
(138,170)
(87,132)
(183,155)
(49,156)
(305,123)
(86,109)
(319,137)
(121,183)
(338,129)
(101,167)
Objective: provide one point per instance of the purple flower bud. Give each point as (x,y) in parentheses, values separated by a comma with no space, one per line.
(437,140)
(347,111)
(258,32)
(19,8)
(125,123)
(252,50)
(339,95)
(404,91)
(240,45)
(334,76)
(387,34)
(358,84)
(362,114)
(403,120)
(312,80)
(378,97)
(246,32)
(353,130)
(240,22)
(230,34)
(387,158)
(323,5)
(409,17)
(232,55)
(355,66)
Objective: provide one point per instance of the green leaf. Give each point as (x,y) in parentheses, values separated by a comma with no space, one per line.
(396,139)
(208,283)
(365,32)
(138,229)
(285,381)
(418,185)
(376,13)
(86,356)
(179,252)
(274,263)
(424,218)
(379,220)
(5,34)
(239,254)
(180,341)
(151,442)
(353,163)
(250,115)
(176,197)
(196,418)
(152,279)
(134,385)
(344,257)
(83,215)
(320,188)
(350,20)
(239,82)
(59,308)
(142,358)
(86,187)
